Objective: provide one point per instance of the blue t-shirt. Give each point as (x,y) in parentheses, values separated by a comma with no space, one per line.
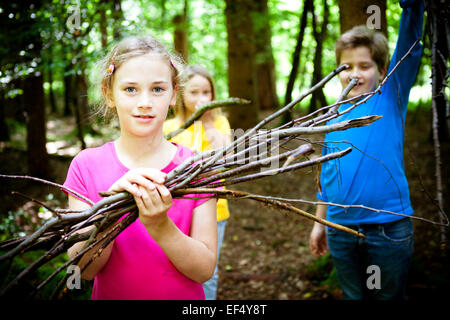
(373,174)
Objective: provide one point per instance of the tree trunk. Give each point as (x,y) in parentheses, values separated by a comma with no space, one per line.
(439,56)
(297,51)
(80,107)
(242,80)
(438,24)
(307,5)
(117,18)
(4,132)
(318,97)
(82,113)
(103,23)
(265,65)
(163,13)
(33,93)
(180,37)
(368,12)
(68,88)
(51,93)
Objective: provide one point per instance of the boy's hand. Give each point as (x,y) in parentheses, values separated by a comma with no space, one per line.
(318,240)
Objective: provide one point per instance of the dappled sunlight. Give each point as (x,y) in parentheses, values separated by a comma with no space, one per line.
(62,148)
(62,137)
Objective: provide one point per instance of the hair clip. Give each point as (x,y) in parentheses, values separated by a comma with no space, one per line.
(173,63)
(111,69)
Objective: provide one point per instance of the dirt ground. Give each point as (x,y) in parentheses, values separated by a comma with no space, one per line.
(265,254)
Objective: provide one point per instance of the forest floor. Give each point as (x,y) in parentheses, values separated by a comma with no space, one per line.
(265,254)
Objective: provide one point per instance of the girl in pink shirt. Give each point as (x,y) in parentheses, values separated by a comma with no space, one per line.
(171,249)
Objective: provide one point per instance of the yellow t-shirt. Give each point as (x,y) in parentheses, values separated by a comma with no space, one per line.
(195,138)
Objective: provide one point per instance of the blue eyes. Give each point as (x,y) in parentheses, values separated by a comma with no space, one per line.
(130,90)
(134,90)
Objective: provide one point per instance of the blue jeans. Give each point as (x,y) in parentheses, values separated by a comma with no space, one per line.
(375,267)
(210,286)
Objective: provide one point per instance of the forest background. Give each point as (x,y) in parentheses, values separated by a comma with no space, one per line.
(266,51)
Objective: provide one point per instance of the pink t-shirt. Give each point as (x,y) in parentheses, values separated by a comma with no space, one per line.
(137,269)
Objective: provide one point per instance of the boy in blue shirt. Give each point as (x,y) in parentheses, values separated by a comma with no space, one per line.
(373,173)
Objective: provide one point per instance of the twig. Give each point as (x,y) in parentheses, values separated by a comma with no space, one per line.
(233,194)
(353,206)
(377,90)
(56,213)
(49,183)
(224,150)
(265,173)
(208,106)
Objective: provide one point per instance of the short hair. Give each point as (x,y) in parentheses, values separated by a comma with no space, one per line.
(359,36)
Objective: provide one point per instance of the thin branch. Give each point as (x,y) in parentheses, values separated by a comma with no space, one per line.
(353,206)
(208,106)
(233,194)
(49,183)
(55,213)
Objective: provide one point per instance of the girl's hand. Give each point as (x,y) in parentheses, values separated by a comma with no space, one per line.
(143,177)
(153,199)
(153,205)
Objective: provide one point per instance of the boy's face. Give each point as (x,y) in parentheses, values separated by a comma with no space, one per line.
(362,67)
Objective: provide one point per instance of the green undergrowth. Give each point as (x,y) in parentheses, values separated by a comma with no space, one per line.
(322,273)
(9,270)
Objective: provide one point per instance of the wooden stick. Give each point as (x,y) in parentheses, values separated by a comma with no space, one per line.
(278,204)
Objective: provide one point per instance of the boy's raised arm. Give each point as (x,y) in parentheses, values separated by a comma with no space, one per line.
(410,29)
(411,26)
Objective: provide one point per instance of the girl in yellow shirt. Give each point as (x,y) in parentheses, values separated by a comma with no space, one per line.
(211,131)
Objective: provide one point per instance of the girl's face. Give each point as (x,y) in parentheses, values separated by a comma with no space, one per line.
(361,66)
(142,93)
(197,92)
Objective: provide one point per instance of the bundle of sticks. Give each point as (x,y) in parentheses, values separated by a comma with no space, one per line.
(245,159)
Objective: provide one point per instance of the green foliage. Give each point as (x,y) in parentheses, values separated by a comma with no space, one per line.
(10,269)
(68,51)
(18,224)
(19,130)
(322,272)
(9,228)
